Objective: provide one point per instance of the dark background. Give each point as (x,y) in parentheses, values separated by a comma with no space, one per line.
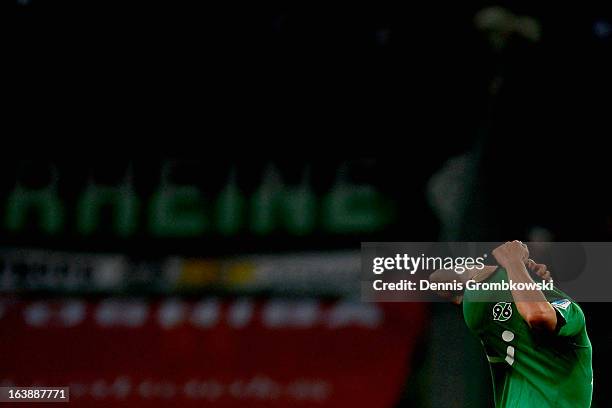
(373,94)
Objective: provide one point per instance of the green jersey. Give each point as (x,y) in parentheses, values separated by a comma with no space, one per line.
(531,368)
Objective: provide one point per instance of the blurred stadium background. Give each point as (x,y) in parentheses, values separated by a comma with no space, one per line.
(225,278)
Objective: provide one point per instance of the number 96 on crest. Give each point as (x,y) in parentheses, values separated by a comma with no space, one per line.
(502,311)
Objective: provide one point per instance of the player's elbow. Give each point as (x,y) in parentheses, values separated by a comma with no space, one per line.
(541,319)
(441,275)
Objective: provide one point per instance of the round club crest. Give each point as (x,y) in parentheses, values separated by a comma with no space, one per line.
(502,311)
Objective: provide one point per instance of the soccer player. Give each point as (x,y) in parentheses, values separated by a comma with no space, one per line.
(536,342)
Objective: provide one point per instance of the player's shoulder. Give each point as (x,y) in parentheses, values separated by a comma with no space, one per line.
(562,304)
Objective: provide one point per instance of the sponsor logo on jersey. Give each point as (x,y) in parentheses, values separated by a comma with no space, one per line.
(561,304)
(502,311)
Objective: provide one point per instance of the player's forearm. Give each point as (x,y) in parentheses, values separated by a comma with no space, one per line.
(531,304)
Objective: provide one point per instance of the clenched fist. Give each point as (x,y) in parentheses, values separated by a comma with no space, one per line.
(514,251)
(539,269)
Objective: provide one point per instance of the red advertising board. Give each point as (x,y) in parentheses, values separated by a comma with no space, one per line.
(211,352)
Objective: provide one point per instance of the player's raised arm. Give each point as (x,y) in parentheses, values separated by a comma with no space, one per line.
(450,275)
(531,304)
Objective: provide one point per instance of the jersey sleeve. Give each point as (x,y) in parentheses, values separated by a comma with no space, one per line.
(570,318)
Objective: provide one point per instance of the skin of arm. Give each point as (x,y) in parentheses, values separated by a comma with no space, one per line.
(449,275)
(531,305)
